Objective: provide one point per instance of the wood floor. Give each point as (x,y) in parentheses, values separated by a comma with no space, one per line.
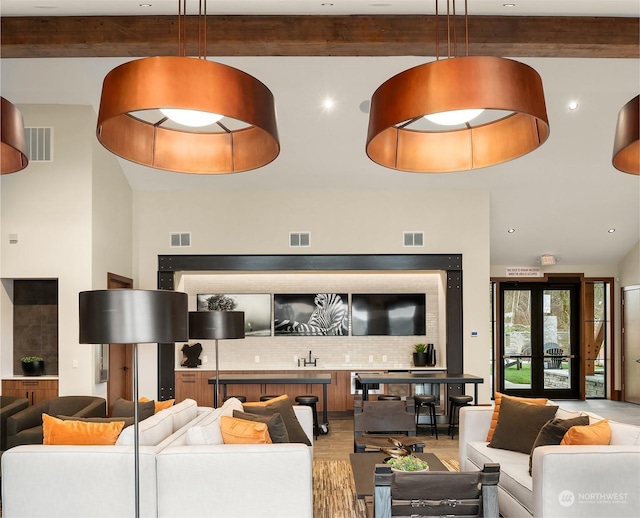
(338,443)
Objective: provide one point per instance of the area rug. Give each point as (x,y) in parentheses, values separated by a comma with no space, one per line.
(334,492)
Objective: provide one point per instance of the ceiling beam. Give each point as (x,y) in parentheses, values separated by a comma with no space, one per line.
(401,35)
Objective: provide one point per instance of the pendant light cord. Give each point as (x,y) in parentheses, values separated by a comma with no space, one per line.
(452,32)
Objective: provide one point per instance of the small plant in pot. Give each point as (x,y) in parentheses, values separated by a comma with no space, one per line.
(32,365)
(408,463)
(420,355)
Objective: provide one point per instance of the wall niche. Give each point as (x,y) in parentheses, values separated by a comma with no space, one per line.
(35,323)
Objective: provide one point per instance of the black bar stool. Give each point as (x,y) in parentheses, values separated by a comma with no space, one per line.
(268,397)
(428,401)
(455,402)
(242,399)
(312,401)
(389,397)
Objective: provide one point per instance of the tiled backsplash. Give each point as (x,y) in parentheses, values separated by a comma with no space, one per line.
(333,352)
(35,323)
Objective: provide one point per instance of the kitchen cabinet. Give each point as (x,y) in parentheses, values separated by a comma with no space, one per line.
(35,390)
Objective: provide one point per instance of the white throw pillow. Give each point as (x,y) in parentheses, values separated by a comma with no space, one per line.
(153,430)
(208,431)
(183,412)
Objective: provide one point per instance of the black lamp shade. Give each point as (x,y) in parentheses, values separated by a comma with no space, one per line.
(216,325)
(126,316)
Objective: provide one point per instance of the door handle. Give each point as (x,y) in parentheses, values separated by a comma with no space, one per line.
(125,368)
(638,360)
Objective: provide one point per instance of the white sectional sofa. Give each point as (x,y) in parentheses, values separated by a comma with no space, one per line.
(176,479)
(566,481)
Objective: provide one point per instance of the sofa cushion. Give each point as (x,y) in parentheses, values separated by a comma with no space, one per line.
(553,431)
(624,433)
(275,424)
(518,425)
(280,405)
(124,408)
(153,430)
(241,431)
(208,430)
(598,433)
(496,409)
(182,413)
(57,431)
(514,475)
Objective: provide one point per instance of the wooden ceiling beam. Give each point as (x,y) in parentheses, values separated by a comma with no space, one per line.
(401,35)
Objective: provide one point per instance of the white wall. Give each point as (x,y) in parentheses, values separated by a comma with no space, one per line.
(340,221)
(50,205)
(630,267)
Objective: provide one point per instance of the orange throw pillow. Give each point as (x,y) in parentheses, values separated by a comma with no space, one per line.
(57,431)
(158,405)
(496,409)
(241,431)
(597,433)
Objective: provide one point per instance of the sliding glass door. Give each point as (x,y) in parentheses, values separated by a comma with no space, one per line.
(539,340)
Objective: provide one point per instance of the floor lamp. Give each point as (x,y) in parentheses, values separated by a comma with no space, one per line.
(216,325)
(127,316)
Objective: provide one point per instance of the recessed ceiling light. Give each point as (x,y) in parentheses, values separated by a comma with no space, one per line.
(611,230)
(328,103)
(508,5)
(573,105)
(511,230)
(326,4)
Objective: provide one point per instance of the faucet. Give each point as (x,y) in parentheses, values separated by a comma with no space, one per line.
(308,362)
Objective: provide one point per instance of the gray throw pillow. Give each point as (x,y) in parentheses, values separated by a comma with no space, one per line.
(274,422)
(553,431)
(519,424)
(124,408)
(285,409)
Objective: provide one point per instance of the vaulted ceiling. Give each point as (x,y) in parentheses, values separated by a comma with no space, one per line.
(561,199)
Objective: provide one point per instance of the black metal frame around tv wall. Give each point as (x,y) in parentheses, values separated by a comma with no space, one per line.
(169,265)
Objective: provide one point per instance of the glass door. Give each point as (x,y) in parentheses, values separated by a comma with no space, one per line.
(539,340)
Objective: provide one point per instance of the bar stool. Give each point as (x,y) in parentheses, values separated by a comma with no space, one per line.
(268,397)
(389,397)
(455,402)
(428,401)
(310,400)
(242,399)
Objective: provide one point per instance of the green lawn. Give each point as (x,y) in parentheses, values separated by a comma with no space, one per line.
(523,375)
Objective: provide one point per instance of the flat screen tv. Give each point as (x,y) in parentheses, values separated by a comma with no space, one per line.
(393,314)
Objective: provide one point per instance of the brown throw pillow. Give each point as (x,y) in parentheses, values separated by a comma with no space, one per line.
(519,424)
(275,424)
(553,431)
(124,408)
(280,405)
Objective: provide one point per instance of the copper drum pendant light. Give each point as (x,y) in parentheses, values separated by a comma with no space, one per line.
(131,125)
(406,134)
(13,153)
(626,145)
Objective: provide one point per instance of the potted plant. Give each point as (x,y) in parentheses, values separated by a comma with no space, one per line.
(420,355)
(408,463)
(32,365)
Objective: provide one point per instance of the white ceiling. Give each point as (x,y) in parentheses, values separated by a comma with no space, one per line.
(561,199)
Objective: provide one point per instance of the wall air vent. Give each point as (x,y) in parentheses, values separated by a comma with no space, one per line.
(413,239)
(180,239)
(297,239)
(39,144)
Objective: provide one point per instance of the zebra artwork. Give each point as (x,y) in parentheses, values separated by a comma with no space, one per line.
(329,316)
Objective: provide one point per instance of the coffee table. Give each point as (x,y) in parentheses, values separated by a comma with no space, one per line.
(363,465)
